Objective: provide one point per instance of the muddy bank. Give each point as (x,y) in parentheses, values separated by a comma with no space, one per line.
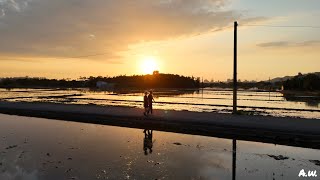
(287,131)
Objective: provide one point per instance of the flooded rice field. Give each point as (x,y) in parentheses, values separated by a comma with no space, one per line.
(35,148)
(203,100)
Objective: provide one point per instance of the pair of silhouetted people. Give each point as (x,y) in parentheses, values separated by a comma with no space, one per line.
(147,103)
(147,141)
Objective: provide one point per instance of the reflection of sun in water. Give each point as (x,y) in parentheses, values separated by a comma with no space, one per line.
(148,65)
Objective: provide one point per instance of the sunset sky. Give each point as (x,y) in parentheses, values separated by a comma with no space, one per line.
(73,38)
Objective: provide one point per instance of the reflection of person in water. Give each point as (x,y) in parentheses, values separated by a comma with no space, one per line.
(147,141)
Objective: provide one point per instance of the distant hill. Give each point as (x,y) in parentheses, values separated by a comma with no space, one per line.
(282,79)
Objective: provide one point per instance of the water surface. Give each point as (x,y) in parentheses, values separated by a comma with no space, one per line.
(206,100)
(35,148)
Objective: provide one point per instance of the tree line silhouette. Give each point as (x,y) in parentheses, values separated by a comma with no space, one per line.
(262,85)
(309,82)
(136,81)
(148,81)
(39,82)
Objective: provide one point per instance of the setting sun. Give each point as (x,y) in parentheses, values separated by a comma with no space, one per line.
(148,65)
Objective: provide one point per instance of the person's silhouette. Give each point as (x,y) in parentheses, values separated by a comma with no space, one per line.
(150,101)
(147,141)
(145,104)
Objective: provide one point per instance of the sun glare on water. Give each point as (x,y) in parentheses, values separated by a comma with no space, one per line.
(148,65)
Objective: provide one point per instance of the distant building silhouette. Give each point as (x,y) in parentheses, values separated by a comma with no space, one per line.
(104,85)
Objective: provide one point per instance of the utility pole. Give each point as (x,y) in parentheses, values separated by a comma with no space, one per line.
(235,83)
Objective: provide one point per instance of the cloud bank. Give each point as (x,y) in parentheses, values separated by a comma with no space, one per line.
(77,28)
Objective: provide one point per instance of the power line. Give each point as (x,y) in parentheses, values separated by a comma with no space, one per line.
(282,26)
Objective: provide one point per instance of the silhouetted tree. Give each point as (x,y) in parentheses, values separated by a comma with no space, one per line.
(308,82)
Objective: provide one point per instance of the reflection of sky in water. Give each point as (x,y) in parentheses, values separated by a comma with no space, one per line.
(61,150)
(19,173)
(208,100)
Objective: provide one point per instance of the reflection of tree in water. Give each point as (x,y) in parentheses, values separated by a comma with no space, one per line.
(147,141)
(310,101)
(313,103)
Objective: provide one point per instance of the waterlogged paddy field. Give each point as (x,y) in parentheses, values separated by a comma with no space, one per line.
(42,149)
(206,100)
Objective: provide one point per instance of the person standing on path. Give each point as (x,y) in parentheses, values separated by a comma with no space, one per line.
(150,101)
(145,104)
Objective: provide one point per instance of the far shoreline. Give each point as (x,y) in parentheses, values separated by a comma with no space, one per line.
(284,92)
